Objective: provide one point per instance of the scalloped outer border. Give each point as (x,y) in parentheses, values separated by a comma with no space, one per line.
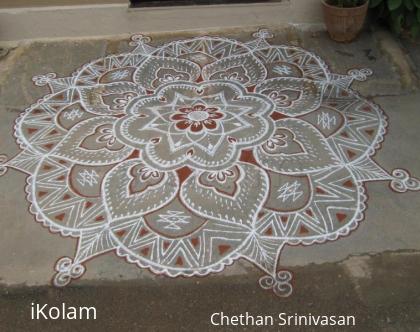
(229,260)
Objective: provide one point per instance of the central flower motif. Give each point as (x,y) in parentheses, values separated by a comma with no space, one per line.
(197,118)
(185,123)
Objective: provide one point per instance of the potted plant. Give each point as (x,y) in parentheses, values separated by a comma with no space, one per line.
(344,18)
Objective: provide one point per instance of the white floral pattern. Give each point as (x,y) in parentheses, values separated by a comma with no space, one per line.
(200,125)
(186,157)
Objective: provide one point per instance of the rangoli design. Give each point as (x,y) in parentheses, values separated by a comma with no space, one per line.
(186,157)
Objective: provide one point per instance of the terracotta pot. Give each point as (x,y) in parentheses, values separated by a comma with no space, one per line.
(344,24)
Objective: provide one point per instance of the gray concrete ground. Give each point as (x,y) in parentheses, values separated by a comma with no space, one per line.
(374,273)
(412,49)
(386,300)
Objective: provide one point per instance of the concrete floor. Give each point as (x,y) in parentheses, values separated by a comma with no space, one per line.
(391,225)
(386,300)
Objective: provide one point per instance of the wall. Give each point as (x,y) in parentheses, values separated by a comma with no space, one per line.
(114,19)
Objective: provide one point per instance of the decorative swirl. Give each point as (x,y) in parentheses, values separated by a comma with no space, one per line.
(139,39)
(360,74)
(3,164)
(67,270)
(279,283)
(403,181)
(263,34)
(42,80)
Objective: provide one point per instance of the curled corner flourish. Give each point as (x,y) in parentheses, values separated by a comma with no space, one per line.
(280,283)
(42,80)
(360,74)
(67,269)
(402,181)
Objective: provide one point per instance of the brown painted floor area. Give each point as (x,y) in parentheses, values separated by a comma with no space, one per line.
(37,3)
(386,300)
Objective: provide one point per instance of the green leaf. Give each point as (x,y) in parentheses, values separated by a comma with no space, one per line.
(383,11)
(396,23)
(415,30)
(374,3)
(416,3)
(410,18)
(394,4)
(418,15)
(409,4)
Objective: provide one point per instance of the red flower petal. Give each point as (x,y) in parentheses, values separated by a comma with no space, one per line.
(215,115)
(210,124)
(199,107)
(185,109)
(211,109)
(183,124)
(196,126)
(179,117)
